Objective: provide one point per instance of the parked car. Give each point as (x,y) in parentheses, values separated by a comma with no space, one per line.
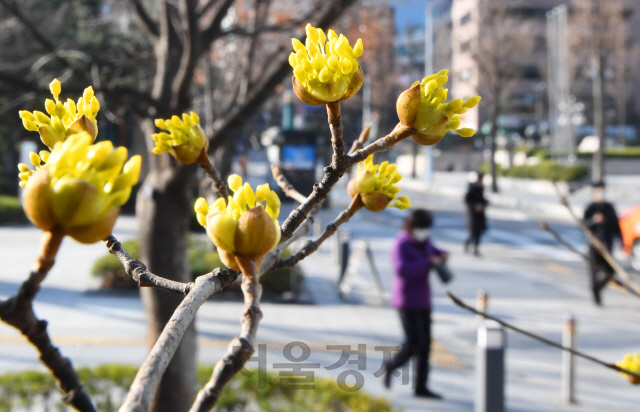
(630,227)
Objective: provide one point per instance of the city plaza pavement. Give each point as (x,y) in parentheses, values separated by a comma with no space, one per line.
(531,281)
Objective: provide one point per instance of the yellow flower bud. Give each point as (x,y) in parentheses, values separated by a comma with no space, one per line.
(325,72)
(63,120)
(376,185)
(242,226)
(423,108)
(185,141)
(55,88)
(632,364)
(81,188)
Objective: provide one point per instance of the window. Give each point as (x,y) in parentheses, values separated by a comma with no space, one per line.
(465,19)
(465,47)
(465,75)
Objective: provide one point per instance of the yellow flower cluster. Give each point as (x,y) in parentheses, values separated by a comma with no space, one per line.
(376,185)
(423,108)
(242,226)
(326,70)
(81,187)
(632,364)
(186,139)
(65,119)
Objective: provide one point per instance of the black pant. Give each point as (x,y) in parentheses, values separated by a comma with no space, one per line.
(417,330)
(474,238)
(601,273)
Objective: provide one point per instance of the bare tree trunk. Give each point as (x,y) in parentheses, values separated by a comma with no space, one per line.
(493,132)
(597,168)
(622,120)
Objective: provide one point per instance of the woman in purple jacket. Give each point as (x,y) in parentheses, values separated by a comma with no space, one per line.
(412,256)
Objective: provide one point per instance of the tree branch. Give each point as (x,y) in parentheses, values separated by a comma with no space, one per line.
(144,19)
(213,31)
(138,270)
(148,377)
(286,187)
(362,139)
(331,229)
(205,163)
(17,311)
(539,338)
(597,244)
(241,348)
(334,172)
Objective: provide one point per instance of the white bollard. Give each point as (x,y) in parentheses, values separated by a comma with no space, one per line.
(490,368)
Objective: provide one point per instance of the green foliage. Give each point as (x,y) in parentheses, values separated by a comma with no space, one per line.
(201,260)
(545,170)
(108,385)
(11,210)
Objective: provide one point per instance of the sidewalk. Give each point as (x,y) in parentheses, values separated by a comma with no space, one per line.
(534,196)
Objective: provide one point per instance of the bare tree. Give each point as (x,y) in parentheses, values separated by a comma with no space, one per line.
(598,34)
(505,40)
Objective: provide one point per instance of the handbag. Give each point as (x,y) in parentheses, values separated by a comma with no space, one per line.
(442,269)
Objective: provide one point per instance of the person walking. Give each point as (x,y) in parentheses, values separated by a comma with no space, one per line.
(412,255)
(476,219)
(602,220)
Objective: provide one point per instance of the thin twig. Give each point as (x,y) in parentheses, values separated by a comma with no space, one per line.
(138,270)
(205,163)
(17,311)
(313,245)
(334,172)
(362,139)
(274,255)
(545,226)
(286,187)
(587,258)
(148,377)
(241,348)
(597,244)
(539,338)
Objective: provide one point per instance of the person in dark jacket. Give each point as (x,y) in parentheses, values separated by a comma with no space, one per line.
(412,255)
(476,219)
(602,220)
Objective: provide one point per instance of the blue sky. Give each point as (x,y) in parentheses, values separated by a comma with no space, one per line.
(409,12)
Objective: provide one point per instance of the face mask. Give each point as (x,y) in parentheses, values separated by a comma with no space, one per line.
(420,234)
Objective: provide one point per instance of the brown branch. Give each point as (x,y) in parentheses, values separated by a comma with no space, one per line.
(313,245)
(17,311)
(145,20)
(206,7)
(148,377)
(545,226)
(597,244)
(241,348)
(138,270)
(334,172)
(587,258)
(12,7)
(539,338)
(213,31)
(362,139)
(286,187)
(335,124)
(205,163)
(303,229)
